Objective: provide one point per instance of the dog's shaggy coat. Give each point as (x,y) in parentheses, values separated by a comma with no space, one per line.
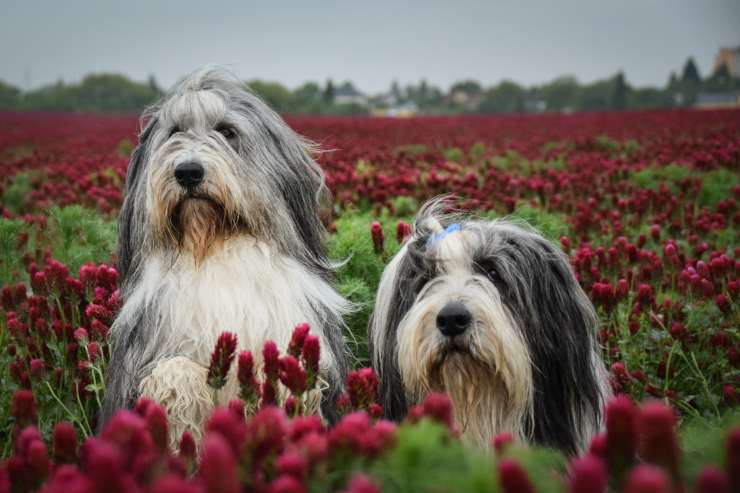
(237,246)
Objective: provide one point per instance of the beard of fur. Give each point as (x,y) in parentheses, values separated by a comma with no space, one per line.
(198,226)
(481,403)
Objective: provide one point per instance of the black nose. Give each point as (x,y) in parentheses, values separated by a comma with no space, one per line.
(453,319)
(189,174)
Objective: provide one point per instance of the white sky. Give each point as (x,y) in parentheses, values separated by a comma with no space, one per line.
(368,42)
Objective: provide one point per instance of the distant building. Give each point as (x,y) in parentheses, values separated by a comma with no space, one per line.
(347,94)
(714,100)
(730,58)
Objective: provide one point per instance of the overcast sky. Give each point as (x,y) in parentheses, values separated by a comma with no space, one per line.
(370,42)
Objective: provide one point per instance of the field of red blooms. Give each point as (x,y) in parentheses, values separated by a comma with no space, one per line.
(645,204)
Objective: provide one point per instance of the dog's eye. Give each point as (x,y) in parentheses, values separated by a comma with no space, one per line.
(174,130)
(488,269)
(228,132)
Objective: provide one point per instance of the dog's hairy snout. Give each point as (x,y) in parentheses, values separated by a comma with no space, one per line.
(189,174)
(453,319)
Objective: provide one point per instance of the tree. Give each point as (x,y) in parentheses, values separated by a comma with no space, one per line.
(690,73)
(507,97)
(275,94)
(329,91)
(560,94)
(620,90)
(9,96)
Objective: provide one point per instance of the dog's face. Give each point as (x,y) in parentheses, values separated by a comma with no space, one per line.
(214,161)
(202,184)
(490,313)
(461,332)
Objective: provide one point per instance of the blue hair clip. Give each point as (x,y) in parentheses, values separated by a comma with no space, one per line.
(448,231)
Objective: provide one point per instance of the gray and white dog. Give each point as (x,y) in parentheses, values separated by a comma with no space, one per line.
(219,231)
(490,313)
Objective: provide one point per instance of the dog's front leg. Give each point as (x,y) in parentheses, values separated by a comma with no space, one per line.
(180,386)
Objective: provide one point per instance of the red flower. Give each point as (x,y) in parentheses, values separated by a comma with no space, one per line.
(587,475)
(311,354)
(296,341)
(361,484)
(221,359)
(65,443)
(218,467)
(292,375)
(658,444)
(645,478)
(23,408)
(403,229)
(712,480)
(376,232)
(248,385)
(501,441)
(513,478)
(271,357)
(621,433)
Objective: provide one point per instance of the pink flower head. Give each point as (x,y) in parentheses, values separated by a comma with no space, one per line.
(587,475)
(403,230)
(187,446)
(376,232)
(271,357)
(293,464)
(230,426)
(221,359)
(296,341)
(658,443)
(646,478)
(621,433)
(23,408)
(286,484)
(361,483)
(310,355)
(65,443)
(513,478)
(292,375)
(248,385)
(265,433)
(218,467)
(156,422)
(362,387)
(501,441)
(712,480)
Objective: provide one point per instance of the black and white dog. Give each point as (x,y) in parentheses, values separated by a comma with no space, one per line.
(219,231)
(490,313)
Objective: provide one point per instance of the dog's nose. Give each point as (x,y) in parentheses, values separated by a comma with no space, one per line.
(189,174)
(453,319)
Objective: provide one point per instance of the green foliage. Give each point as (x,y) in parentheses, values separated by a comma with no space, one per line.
(654,176)
(359,273)
(426,459)
(454,154)
(552,225)
(96,92)
(11,262)
(507,97)
(717,185)
(78,235)
(14,197)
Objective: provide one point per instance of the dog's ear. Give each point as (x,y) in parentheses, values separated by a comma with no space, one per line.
(402,279)
(131,215)
(560,324)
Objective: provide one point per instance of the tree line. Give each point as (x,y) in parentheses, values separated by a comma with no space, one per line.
(117,93)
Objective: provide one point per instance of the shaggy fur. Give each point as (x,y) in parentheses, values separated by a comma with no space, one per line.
(528,363)
(242,251)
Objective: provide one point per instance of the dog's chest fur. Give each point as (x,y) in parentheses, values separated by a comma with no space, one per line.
(246,287)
